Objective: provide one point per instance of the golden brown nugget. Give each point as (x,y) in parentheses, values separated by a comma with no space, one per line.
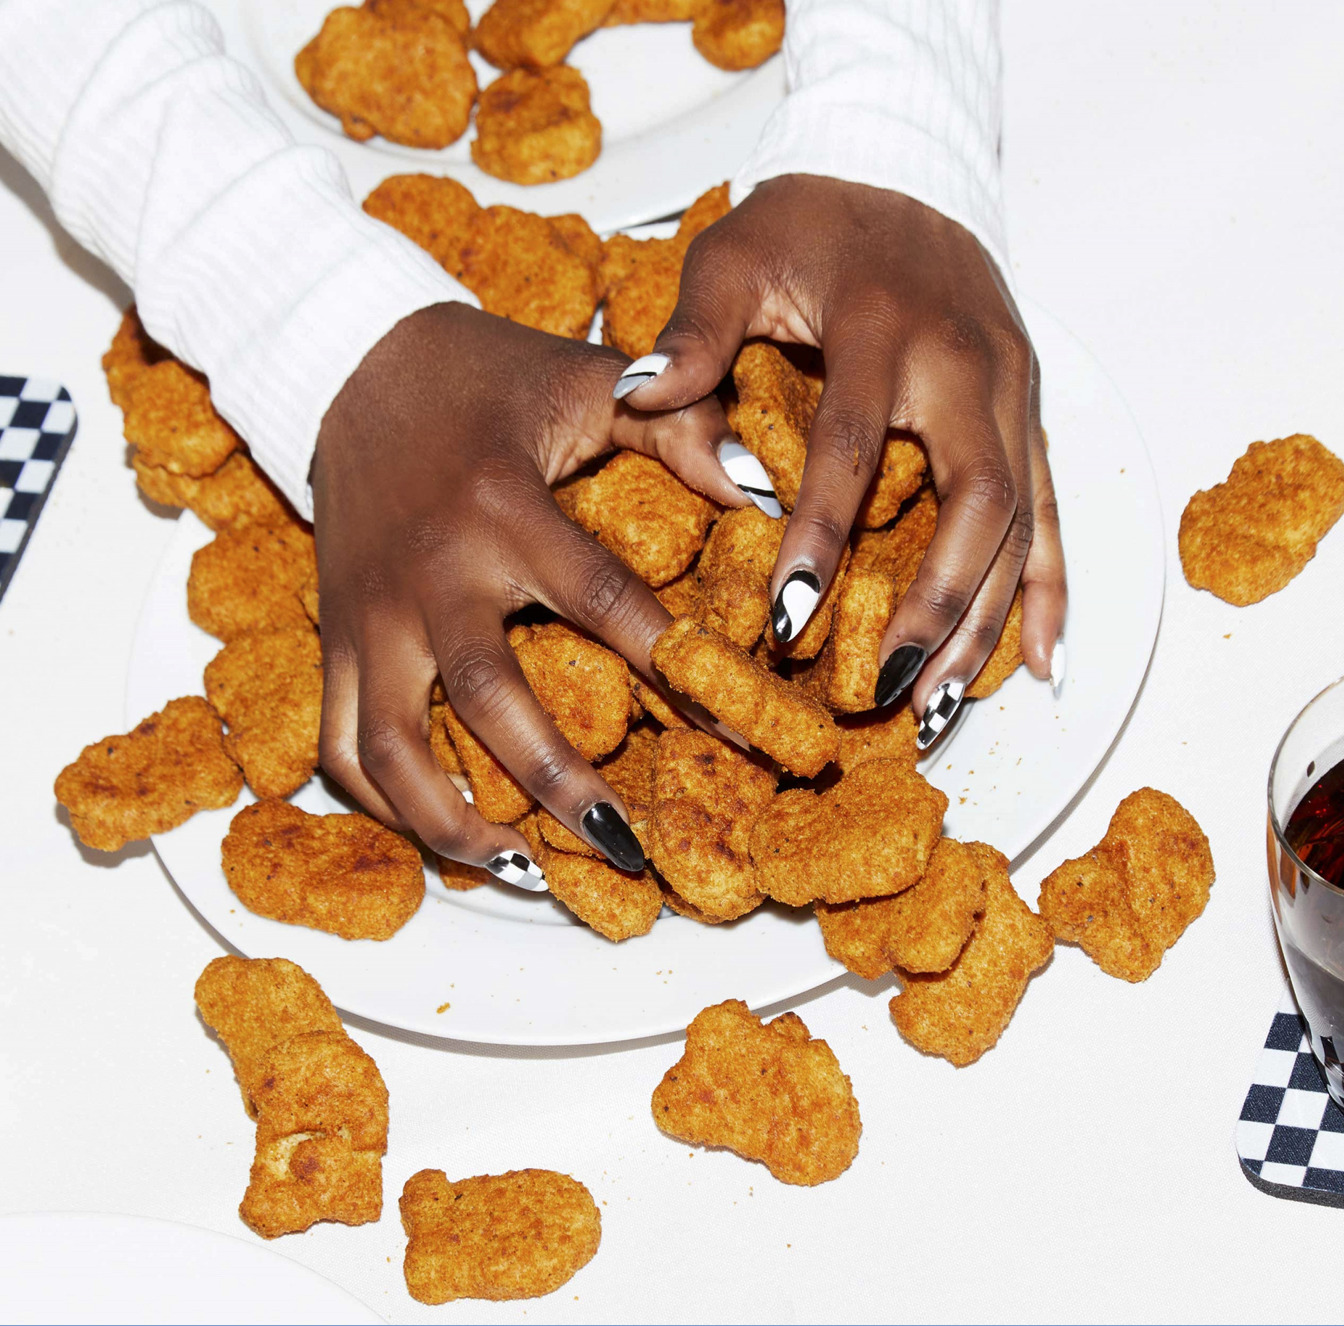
(810,641)
(733,574)
(1247,537)
(616,903)
(625,12)
(655,704)
(555,834)
(236,494)
(899,474)
(900,553)
(535,34)
(643,513)
(707,795)
(506,1236)
(1004,659)
(172,424)
(132,351)
(621,255)
(768,1091)
(399,71)
(535,126)
(345,874)
(1131,897)
(681,597)
(309,597)
(845,675)
(496,793)
(775,406)
(738,34)
(434,211)
(868,836)
(461,878)
(710,206)
(442,745)
(268,689)
(152,779)
(253,1005)
(638,305)
(581,684)
(883,735)
(629,772)
(580,237)
(321,1136)
(453,11)
(248,580)
(960,1013)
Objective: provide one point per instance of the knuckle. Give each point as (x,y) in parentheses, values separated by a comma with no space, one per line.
(943,601)
(382,745)
(547,774)
(603,594)
(852,435)
(990,490)
(984,636)
(1020,533)
(964,339)
(824,528)
(1012,350)
(473,678)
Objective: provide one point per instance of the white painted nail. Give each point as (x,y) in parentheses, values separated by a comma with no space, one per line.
(516,869)
(1059,660)
(749,475)
(940,711)
(643,370)
(795,605)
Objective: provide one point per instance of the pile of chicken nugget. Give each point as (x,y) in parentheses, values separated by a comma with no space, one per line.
(399,69)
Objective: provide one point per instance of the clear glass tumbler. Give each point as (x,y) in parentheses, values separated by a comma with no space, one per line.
(1308,908)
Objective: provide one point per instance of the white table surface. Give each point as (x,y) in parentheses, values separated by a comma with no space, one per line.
(1175,188)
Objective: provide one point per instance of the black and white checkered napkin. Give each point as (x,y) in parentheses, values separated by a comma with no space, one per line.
(37,421)
(1290,1136)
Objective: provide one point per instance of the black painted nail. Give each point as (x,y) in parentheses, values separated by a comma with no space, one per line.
(611,835)
(795,604)
(898,672)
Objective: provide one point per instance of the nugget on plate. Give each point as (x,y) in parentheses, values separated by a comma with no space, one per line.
(253,1004)
(772,714)
(434,211)
(733,574)
(868,836)
(709,207)
(172,424)
(1004,659)
(461,878)
(535,126)
(960,1013)
(152,779)
(1131,897)
(321,1135)
(442,744)
(535,34)
(248,580)
(345,874)
(899,553)
(738,34)
(236,494)
(617,904)
(643,513)
(581,684)
(655,703)
(497,1236)
(400,71)
(810,641)
(765,1090)
(496,793)
(454,11)
(707,795)
(775,405)
(625,12)
(882,735)
(629,772)
(132,351)
(581,238)
(268,689)
(1247,537)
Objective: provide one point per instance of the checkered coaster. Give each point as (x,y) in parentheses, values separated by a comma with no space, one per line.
(1290,1136)
(37,421)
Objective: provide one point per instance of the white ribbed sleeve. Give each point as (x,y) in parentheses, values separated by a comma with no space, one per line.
(899,94)
(247,254)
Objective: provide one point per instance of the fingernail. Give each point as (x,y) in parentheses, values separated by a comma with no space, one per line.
(940,711)
(898,672)
(796,603)
(749,475)
(643,370)
(1059,660)
(516,869)
(611,835)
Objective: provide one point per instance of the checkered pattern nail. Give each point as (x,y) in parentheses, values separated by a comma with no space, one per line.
(514,868)
(940,711)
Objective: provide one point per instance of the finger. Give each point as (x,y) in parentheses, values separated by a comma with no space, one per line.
(489,693)
(1044,583)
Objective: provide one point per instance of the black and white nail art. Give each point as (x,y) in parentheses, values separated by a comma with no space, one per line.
(940,711)
(749,475)
(514,868)
(796,603)
(643,370)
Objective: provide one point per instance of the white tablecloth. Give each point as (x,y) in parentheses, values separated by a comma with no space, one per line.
(1176,188)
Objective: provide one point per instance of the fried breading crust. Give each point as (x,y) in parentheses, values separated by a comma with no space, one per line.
(515,1235)
(810,641)
(132,351)
(1247,537)
(345,874)
(535,33)
(172,424)
(869,836)
(461,878)
(496,793)
(765,1090)
(882,735)
(454,11)
(738,34)
(1131,897)
(248,580)
(617,904)
(962,1012)
(434,211)
(733,574)
(772,714)
(581,238)
(236,494)
(650,11)
(629,772)
(681,597)
(152,779)
(536,126)
(268,689)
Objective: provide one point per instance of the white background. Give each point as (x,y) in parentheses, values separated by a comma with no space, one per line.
(1175,189)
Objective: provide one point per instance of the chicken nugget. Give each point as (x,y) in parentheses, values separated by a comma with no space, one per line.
(1247,537)
(461,878)
(254,1004)
(738,34)
(962,1012)
(268,689)
(621,254)
(768,1091)
(733,574)
(923,929)
(308,596)
(900,472)
(236,494)
(900,552)
(535,126)
(626,12)
(321,1136)
(400,71)
(710,206)
(772,714)
(707,797)
(580,237)
(152,779)
(643,513)
(581,684)
(846,670)
(810,641)
(132,351)
(497,795)
(345,874)
(617,904)
(775,405)
(655,703)
(506,1236)
(629,772)
(883,735)
(868,836)
(1004,659)
(442,745)
(1131,897)
(535,33)
(248,580)
(453,11)
(681,596)
(172,424)
(434,211)
(641,285)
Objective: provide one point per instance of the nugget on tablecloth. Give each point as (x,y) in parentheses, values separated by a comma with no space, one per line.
(497,1236)
(733,574)
(1131,897)
(172,424)
(152,779)
(132,351)
(617,904)
(236,494)
(533,127)
(345,874)
(248,580)
(738,34)
(765,1090)
(496,793)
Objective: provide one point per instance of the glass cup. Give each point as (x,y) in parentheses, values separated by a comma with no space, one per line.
(1309,909)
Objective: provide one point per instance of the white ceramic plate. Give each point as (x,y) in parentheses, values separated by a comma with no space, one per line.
(506,967)
(672,124)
